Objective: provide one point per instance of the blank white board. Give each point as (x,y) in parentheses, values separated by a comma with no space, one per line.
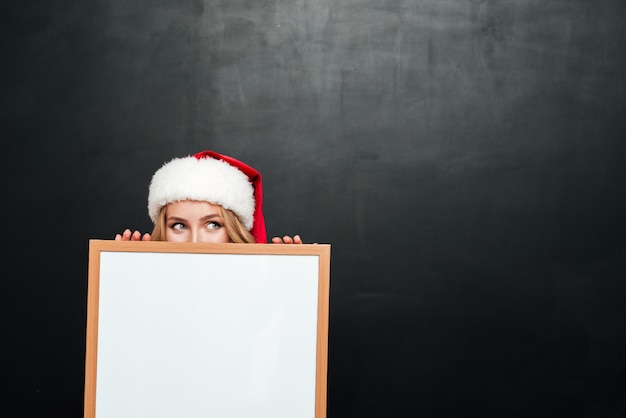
(206,330)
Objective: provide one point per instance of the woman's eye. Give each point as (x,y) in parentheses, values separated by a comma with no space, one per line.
(213,226)
(177,226)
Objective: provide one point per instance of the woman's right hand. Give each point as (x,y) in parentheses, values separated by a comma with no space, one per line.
(127,235)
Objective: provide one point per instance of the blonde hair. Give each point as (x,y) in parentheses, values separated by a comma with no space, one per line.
(237,233)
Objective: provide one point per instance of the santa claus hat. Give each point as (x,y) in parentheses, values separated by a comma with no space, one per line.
(214,178)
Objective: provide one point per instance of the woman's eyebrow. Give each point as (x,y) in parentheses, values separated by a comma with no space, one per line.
(211,216)
(203,218)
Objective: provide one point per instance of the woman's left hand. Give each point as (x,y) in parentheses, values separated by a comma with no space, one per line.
(287,240)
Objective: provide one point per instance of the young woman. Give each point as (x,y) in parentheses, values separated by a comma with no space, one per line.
(206,197)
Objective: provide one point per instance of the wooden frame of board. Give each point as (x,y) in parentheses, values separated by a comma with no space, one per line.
(195,330)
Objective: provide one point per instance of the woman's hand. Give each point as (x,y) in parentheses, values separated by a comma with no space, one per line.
(127,235)
(287,240)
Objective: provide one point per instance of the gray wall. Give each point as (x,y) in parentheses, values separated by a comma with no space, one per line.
(465,159)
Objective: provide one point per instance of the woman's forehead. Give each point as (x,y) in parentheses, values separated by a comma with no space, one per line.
(192,208)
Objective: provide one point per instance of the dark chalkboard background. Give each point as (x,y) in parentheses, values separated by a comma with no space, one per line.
(465,159)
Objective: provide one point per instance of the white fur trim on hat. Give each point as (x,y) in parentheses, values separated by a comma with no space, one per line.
(206,179)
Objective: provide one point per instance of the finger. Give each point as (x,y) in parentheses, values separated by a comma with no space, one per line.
(297,239)
(277,240)
(118,237)
(287,239)
(146,237)
(126,235)
(136,236)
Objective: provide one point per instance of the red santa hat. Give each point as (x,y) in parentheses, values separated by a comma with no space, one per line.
(214,178)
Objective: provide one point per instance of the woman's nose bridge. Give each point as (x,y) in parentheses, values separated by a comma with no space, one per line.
(194,235)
